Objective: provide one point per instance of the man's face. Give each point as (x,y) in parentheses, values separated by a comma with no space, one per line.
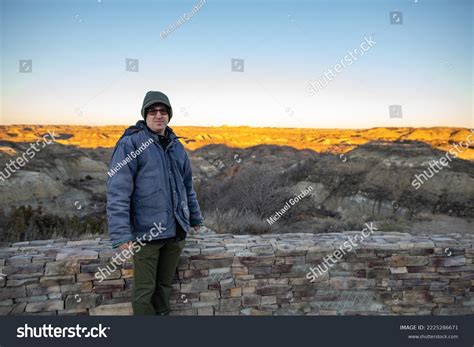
(157,118)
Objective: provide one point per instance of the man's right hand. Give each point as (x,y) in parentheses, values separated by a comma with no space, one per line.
(126,245)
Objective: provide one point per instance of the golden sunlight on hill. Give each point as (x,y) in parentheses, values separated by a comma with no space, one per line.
(320,140)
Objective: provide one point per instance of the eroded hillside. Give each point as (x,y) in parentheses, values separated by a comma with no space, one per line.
(319,140)
(244,175)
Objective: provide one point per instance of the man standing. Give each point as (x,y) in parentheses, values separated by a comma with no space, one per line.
(151,188)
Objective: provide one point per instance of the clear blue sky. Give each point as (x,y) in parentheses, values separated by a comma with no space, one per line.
(78,51)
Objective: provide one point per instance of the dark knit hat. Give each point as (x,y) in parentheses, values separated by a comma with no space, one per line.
(154,97)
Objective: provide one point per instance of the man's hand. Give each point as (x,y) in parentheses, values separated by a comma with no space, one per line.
(195,230)
(126,245)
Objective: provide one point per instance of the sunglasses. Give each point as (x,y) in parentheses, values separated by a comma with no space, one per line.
(154,112)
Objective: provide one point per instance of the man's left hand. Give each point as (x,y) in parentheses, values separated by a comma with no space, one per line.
(195,230)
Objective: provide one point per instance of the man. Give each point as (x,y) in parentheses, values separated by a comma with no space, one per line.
(150,198)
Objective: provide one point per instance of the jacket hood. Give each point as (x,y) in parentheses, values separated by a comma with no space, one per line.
(154,97)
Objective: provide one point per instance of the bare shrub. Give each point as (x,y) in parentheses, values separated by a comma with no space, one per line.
(234,221)
(254,189)
(26,223)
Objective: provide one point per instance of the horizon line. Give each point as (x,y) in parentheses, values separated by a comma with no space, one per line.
(245,126)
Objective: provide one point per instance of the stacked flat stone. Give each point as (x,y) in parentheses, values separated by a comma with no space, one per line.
(390,273)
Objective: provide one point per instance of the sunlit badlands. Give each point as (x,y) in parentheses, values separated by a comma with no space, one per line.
(319,140)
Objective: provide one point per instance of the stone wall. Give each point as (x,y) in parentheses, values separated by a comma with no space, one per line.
(387,274)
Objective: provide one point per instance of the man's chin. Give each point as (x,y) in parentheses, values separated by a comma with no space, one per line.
(158,129)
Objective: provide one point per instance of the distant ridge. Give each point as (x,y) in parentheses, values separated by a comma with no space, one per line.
(194,137)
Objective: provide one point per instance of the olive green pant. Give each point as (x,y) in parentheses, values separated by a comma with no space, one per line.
(154,270)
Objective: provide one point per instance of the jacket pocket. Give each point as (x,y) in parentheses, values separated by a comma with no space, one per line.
(150,209)
(149,217)
(152,199)
(185,210)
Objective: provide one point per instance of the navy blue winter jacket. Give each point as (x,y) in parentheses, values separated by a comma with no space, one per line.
(149,188)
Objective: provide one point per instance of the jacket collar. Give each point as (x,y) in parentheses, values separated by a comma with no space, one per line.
(168,131)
